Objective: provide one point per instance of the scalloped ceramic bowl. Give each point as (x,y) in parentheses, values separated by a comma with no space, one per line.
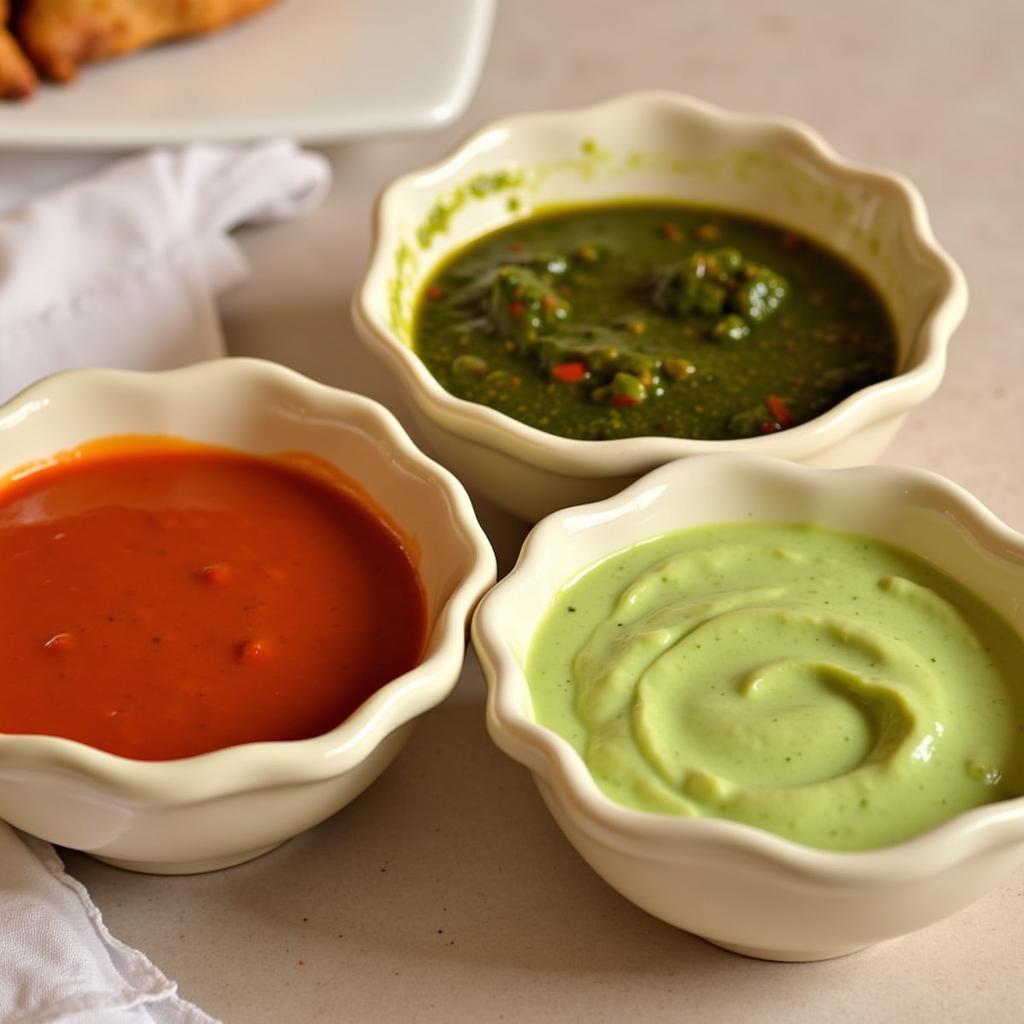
(738,886)
(667,147)
(224,807)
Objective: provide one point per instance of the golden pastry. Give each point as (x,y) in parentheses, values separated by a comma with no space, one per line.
(17,77)
(61,35)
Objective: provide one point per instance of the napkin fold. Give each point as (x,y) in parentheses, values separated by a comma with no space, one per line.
(123,269)
(58,962)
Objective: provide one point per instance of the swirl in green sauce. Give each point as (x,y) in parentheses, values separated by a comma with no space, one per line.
(822,685)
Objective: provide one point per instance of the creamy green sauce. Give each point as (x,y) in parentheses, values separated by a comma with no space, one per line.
(822,685)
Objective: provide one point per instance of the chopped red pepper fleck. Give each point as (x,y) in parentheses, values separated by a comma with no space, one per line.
(60,642)
(435,292)
(549,302)
(778,408)
(252,651)
(516,309)
(672,232)
(216,573)
(625,400)
(570,373)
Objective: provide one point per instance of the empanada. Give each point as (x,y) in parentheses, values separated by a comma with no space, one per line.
(61,35)
(17,78)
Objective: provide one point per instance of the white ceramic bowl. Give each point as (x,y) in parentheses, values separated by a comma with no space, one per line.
(216,809)
(736,885)
(661,146)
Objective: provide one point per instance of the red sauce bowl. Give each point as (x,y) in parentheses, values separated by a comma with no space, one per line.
(172,763)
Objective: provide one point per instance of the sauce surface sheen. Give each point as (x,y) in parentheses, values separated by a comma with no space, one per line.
(164,603)
(818,684)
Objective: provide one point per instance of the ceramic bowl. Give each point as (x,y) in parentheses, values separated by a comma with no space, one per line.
(738,886)
(666,147)
(220,808)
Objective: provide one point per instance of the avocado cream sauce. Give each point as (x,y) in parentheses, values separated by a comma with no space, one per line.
(822,685)
(625,320)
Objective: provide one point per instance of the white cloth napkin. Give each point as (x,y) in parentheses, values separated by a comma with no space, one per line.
(58,962)
(122,269)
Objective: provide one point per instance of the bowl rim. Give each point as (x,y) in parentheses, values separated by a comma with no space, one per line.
(258,765)
(879,401)
(651,836)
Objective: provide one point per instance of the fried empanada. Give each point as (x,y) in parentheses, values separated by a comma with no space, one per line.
(17,77)
(61,35)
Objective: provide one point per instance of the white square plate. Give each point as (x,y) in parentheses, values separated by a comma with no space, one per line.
(316,70)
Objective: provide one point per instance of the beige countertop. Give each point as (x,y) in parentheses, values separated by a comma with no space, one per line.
(446,892)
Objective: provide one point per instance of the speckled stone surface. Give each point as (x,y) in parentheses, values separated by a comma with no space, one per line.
(446,893)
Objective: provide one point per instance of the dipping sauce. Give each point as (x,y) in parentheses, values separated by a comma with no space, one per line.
(620,321)
(160,600)
(822,685)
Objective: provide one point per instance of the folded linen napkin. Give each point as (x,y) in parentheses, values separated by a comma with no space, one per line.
(122,269)
(58,962)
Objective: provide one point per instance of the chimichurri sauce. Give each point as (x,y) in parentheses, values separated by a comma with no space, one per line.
(620,321)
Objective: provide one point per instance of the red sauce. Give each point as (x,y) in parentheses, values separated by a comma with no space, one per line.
(166,601)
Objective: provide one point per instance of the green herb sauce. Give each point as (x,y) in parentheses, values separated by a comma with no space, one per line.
(629,320)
